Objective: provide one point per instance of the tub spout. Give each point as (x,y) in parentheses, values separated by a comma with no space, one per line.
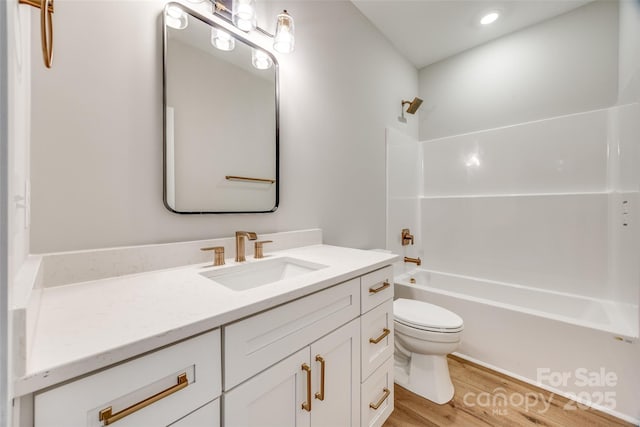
(416,261)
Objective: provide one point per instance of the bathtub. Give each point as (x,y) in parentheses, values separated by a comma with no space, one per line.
(526,333)
(609,316)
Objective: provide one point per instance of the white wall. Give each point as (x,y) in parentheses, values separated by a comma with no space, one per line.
(629,52)
(15,204)
(97,130)
(4,228)
(564,65)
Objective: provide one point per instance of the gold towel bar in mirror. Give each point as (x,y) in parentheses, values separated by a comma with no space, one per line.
(246,178)
(46,27)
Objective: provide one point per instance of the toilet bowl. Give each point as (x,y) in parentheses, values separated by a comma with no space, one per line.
(424,335)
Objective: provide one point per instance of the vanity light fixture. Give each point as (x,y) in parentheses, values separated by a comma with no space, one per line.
(176,17)
(242,14)
(490,17)
(260,59)
(284,40)
(222,40)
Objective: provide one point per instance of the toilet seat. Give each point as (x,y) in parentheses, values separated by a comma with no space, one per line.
(426,317)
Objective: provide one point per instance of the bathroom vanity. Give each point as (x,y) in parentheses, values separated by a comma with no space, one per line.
(200,346)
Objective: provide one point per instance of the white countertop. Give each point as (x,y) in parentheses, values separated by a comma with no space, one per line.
(86,326)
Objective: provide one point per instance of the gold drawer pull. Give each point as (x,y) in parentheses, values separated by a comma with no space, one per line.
(376,405)
(384,286)
(385,332)
(320,395)
(307,405)
(109,418)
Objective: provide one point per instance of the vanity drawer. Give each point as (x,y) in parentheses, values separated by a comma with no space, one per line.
(377,396)
(255,343)
(377,343)
(137,383)
(377,287)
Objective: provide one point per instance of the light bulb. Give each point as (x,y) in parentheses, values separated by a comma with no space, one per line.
(260,59)
(489,18)
(284,40)
(176,17)
(244,14)
(222,40)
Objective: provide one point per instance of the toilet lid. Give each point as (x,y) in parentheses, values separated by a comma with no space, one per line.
(422,315)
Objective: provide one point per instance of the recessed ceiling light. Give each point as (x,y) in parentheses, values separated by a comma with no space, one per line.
(489,18)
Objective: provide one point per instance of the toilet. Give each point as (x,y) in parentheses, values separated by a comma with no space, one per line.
(424,335)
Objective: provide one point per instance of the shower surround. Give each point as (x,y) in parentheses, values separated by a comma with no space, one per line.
(530,233)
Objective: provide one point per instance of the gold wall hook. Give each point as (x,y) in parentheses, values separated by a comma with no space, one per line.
(46,27)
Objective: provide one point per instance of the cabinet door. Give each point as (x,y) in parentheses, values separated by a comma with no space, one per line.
(337,403)
(273,398)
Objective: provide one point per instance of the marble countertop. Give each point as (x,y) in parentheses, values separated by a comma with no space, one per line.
(87,326)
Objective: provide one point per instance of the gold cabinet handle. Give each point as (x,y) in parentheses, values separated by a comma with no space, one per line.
(46,27)
(109,418)
(384,286)
(376,405)
(320,395)
(307,405)
(385,332)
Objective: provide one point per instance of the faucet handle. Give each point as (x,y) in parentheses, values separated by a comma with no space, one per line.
(258,248)
(407,237)
(218,254)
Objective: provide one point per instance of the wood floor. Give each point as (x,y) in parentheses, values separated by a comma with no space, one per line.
(492,399)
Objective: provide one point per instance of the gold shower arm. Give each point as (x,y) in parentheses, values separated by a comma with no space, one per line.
(46,27)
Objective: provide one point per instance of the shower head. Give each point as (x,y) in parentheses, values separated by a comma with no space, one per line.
(413,105)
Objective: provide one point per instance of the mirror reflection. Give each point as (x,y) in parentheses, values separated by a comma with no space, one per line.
(221,119)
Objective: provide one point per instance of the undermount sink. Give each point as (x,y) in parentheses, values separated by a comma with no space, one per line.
(259,273)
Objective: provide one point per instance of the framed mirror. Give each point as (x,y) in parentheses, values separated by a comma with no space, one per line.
(220,118)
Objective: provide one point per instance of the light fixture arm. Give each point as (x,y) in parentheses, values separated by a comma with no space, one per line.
(224,9)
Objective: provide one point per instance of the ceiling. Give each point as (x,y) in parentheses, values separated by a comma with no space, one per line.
(427,31)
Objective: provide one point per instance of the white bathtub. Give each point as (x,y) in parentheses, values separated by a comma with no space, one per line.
(523,331)
(609,316)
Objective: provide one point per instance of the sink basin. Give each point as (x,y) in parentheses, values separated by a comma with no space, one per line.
(259,273)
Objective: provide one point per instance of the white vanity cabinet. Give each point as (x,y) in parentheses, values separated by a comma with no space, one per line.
(177,385)
(317,385)
(377,343)
(299,391)
(324,360)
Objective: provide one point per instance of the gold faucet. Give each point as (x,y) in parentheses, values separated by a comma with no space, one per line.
(240,235)
(416,261)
